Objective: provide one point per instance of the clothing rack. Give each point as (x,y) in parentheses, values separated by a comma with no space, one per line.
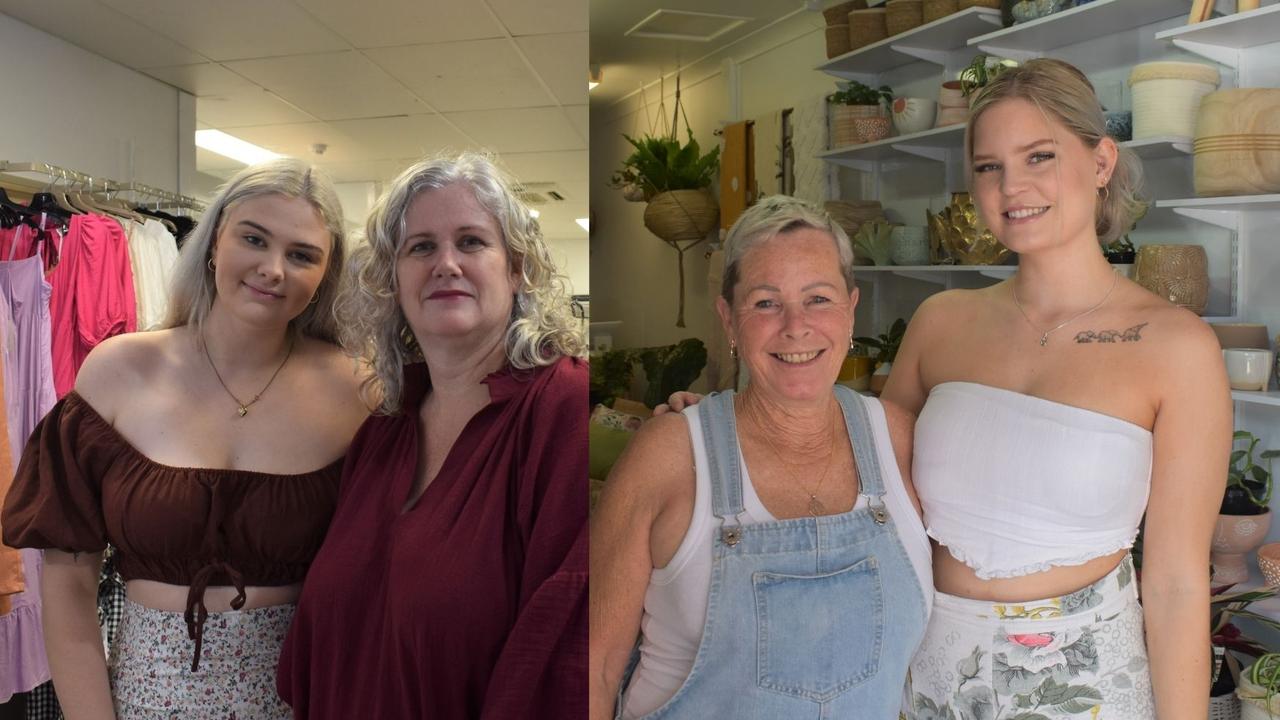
(158,198)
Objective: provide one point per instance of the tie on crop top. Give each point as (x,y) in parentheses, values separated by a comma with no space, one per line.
(1014,484)
(80,485)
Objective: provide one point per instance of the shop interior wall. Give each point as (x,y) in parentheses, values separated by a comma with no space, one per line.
(69,107)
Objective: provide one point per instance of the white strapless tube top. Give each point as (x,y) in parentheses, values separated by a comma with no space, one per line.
(1014,484)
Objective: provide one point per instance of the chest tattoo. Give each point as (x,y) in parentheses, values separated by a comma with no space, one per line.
(1133,334)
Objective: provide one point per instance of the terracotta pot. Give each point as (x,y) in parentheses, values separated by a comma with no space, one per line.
(951,95)
(1234,536)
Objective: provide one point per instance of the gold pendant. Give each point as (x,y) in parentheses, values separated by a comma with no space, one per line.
(242,410)
(816,507)
(1044,339)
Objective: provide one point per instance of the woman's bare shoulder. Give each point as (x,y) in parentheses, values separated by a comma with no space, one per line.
(123,365)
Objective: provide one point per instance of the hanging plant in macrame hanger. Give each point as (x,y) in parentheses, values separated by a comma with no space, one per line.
(676,181)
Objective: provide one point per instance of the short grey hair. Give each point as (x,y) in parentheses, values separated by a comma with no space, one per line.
(776,216)
(542,328)
(191,291)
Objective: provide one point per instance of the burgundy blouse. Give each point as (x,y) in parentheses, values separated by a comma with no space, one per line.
(80,485)
(472,604)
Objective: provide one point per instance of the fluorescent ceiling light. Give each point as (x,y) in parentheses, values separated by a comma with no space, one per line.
(534,213)
(585,223)
(593,76)
(233,147)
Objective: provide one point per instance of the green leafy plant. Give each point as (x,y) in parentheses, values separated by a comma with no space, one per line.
(660,164)
(886,344)
(1248,479)
(981,70)
(1228,641)
(668,368)
(855,93)
(1120,251)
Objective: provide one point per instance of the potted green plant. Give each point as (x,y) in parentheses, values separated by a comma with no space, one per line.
(1259,688)
(859,113)
(886,346)
(981,70)
(1120,252)
(1244,517)
(674,179)
(1229,643)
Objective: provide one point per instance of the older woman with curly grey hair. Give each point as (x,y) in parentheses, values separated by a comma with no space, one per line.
(452,583)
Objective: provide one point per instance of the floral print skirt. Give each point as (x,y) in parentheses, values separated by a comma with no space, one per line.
(150,665)
(1081,655)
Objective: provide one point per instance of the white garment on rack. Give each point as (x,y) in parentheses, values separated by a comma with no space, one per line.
(153,252)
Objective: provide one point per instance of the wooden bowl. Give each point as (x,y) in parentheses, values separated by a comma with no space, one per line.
(1237,144)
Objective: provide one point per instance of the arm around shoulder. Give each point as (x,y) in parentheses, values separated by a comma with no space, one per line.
(646,483)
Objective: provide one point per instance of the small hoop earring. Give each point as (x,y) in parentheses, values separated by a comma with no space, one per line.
(851,343)
(314,299)
(1105,192)
(212,267)
(733,350)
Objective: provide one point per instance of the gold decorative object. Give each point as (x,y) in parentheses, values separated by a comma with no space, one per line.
(1177,273)
(955,237)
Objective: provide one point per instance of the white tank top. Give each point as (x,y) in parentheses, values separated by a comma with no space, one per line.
(1014,484)
(675,603)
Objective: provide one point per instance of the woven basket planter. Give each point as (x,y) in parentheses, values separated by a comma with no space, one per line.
(837,40)
(866,27)
(682,215)
(682,219)
(1166,97)
(848,123)
(966,4)
(838,14)
(902,15)
(937,9)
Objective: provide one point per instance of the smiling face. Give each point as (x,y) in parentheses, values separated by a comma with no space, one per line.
(792,315)
(1034,181)
(452,269)
(270,257)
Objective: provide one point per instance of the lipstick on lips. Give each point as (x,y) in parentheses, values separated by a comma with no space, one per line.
(447,295)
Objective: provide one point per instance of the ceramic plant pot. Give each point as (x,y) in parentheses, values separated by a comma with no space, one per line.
(873,128)
(880,377)
(910,245)
(913,115)
(1234,536)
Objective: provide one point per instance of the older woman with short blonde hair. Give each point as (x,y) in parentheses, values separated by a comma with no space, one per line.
(452,583)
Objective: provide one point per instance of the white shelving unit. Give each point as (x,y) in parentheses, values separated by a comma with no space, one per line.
(1226,40)
(936,42)
(1041,37)
(1256,398)
(934,144)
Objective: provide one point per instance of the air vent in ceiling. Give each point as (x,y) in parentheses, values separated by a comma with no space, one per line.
(539,193)
(685,25)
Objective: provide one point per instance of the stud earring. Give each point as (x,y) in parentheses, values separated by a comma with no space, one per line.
(733,350)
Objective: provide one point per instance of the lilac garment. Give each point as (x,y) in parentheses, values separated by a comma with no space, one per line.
(29,394)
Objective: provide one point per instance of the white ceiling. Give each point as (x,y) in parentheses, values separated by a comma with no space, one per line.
(381,82)
(627,63)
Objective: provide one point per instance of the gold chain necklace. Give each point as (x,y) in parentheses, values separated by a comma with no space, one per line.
(242,408)
(816,507)
(1044,334)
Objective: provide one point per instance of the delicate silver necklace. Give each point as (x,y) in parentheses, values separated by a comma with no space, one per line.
(1044,334)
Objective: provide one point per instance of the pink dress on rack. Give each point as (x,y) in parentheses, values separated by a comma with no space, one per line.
(93,295)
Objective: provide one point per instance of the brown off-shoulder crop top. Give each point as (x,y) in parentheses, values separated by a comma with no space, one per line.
(80,485)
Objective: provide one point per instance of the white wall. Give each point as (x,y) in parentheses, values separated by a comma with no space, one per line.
(68,107)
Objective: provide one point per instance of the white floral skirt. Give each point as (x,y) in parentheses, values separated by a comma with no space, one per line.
(1081,655)
(150,665)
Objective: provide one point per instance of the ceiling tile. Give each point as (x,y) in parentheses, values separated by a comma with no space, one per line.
(220,30)
(369,100)
(101,30)
(472,75)
(382,23)
(580,116)
(520,130)
(545,16)
(246,108)
(313,70)
(561,61)
(297,139)
(401,137)
(201,79)
(212,162)
(567,166)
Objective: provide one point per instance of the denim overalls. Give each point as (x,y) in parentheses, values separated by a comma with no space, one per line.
(813,618)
